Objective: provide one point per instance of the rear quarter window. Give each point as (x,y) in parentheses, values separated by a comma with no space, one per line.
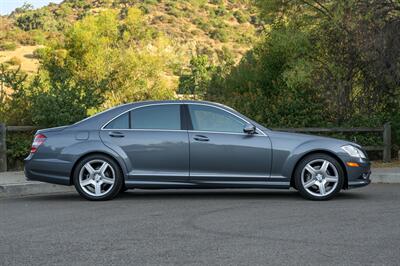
(121,122)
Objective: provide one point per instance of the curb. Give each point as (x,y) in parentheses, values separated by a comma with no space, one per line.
(386,179)
(25,189)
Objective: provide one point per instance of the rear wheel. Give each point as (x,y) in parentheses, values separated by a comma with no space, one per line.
(319,177)
(97,177)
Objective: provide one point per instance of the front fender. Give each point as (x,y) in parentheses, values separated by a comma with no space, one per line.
(311,146)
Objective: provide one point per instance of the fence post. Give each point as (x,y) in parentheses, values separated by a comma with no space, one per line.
(387,142)
(3,148)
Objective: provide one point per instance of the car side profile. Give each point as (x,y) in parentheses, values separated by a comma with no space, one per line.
(190,144)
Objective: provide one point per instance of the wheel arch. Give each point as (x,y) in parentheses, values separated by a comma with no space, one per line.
(110,156)
(332,154)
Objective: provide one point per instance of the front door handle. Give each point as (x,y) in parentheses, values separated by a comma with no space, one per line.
(201,138)
(115,134)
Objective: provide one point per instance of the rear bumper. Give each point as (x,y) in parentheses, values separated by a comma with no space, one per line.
(50,171)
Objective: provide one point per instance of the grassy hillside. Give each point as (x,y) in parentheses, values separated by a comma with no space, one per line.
(23,55)
(193,25)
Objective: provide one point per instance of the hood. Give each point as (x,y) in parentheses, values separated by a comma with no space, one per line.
(308,137)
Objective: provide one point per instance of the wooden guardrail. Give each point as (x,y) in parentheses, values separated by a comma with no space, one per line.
(385,130)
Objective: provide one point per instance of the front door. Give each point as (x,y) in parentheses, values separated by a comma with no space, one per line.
(220,151)
(152,138)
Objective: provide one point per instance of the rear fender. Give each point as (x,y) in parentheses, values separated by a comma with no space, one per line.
(77,151)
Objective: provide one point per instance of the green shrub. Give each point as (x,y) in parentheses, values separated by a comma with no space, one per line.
(175,12)
(8,46)
(219,34)
(145,9)
(241,17)
(18,147)
(39,53)
(202,24)
(152,2)
(25,38)
(220,11)
(39,37)
(195,32)
(216,2)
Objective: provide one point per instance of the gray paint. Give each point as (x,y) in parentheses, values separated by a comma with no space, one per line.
(174,158)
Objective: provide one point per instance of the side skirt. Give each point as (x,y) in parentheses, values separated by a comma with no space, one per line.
(205,184)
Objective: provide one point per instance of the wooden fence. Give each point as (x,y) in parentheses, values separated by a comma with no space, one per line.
(385,131)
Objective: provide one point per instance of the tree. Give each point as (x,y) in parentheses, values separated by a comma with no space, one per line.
(196,82)
(355,59)
(25,7)
(102,62)
(14,103)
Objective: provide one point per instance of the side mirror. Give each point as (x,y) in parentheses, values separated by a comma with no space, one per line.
(249,129)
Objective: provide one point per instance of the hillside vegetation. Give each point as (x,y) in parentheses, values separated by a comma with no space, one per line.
(299,63)
(194,25)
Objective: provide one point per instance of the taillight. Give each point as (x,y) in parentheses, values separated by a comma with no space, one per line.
(37,141)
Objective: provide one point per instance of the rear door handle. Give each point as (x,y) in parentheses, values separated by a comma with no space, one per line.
(201,138)
(114,134)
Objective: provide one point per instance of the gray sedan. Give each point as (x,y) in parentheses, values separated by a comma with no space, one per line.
(190,144)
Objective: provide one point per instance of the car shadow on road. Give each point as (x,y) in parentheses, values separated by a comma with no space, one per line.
(206,194)
(226,194)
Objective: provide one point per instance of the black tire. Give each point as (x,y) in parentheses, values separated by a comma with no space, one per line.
(311,158)
(118,178)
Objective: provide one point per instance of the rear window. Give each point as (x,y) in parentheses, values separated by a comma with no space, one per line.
(150,117)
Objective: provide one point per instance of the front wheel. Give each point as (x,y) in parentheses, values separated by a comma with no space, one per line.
(319,177)
(98,177)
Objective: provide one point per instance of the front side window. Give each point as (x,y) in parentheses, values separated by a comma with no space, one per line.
(206,118)
(166,116)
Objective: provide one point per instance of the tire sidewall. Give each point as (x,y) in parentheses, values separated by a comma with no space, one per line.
(118,177)
(304,162)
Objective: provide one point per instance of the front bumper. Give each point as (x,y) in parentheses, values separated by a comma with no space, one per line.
(360,182)
(358,176)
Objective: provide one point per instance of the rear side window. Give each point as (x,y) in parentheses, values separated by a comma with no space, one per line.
(166,116)
(121,122)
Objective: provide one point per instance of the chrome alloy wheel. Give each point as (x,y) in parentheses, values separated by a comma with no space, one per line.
(320,177)
(97,177)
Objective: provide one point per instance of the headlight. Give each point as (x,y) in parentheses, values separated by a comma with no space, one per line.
(354,151)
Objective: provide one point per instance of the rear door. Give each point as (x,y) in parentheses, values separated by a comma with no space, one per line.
(153,141)
(220,151)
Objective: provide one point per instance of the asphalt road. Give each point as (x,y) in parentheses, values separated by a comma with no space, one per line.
(224,227)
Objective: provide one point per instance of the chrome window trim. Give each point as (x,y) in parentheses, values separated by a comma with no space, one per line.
(143,129)
(222,132)
(157,104)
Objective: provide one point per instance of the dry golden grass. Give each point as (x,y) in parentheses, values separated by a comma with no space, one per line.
(381,164)
(25,54)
